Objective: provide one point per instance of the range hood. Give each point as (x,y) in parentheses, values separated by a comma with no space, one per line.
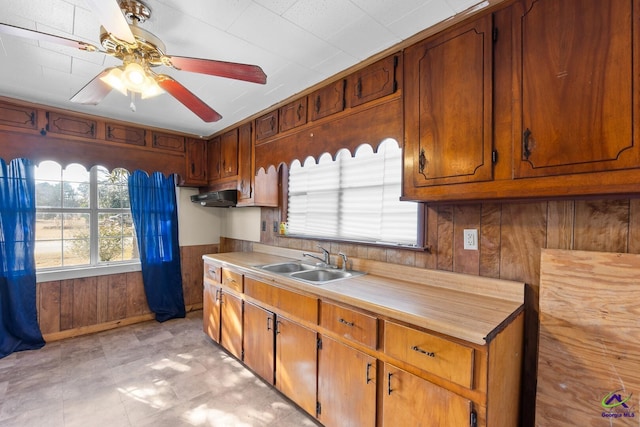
(217,199)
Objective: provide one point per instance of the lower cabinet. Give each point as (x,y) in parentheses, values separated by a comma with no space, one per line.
(346,386)
(231,323)
(409,400)
(296,363)
(211,311)
(259,341)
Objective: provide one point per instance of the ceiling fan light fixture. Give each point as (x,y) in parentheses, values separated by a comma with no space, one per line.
(115,80)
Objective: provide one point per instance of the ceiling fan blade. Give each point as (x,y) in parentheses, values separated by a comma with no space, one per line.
(111,18)
(232,70)
(187,98)
(44,37)
(94,91)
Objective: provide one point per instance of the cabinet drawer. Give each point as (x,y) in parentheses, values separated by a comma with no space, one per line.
(232,280)
(349,323)
(295,304)
(213,272)
(433,354)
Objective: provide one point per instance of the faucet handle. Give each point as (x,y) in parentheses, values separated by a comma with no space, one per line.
(344,260)
(327,255)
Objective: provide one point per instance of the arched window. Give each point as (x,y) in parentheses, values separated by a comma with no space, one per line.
(352,198)
(83,219)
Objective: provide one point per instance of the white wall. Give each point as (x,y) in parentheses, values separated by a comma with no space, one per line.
(197,225)
(242,223)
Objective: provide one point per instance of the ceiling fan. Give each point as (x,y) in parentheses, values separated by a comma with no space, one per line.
(140,51)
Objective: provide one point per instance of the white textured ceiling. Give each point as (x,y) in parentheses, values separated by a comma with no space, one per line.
(298,43)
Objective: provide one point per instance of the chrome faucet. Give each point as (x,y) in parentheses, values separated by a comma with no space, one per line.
(327,257)
(344,260)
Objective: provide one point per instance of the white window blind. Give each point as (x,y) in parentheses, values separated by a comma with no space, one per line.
(352,198)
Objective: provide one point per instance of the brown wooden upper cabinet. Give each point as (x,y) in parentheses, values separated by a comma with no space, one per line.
(577,102)
(18,116)
(229,153)
(448,106)
(167,141)
(116,132)
(372,82)
(196,162)
(327,100)
(214,161)
(293,115)
(71,125)
(267,125)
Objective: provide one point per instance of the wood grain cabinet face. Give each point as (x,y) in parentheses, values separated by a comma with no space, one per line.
(349,323)
(245,165)
(327,100)
(231,323)
(267,125)
(232,279)
(18,116)
(115,132)
(167,141)
(214,160)
(71,125)
(258,341)
(372,82)
(211,310)
(439,356)
(448,107)
(346,385)
(578,87)
(229,153)
(296,363)
(293,115)
(196,162)
(408,400)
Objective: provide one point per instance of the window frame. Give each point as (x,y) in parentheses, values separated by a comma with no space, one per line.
(95,266)
(421,244)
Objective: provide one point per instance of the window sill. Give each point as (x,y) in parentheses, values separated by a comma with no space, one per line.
(80,272)
(385,245)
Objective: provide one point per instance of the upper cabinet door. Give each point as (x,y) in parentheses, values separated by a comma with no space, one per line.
(448,106)
(229,153)
(327,100)
(575,72)
(372,82)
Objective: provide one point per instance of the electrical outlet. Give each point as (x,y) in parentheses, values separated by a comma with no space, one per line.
(471,239)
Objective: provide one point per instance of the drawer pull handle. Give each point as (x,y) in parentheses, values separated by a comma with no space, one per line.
(367,377)
(426,353)
(341,320)
(389,390)
(268,323)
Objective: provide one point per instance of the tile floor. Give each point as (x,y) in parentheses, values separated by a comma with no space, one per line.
(149,374)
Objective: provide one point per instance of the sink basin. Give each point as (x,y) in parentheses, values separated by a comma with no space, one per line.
(286,267)
(316,275)
(321,275)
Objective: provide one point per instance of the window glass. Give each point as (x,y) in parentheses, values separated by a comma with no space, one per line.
(82,217)
(352,198)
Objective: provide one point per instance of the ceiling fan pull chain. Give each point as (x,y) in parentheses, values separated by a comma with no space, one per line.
(133,101)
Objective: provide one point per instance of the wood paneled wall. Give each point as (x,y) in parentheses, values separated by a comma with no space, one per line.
(511,236)
(80,306)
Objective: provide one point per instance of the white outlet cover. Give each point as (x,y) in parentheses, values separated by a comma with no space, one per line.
(471,239)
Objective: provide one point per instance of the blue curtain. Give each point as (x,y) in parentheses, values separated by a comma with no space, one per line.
(19,329)
(155,217)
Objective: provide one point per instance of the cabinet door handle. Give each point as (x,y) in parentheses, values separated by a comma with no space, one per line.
(425,352)
(367,377)
(277,331)
(344,322)
(299,111)
(359,88)
(526,151)
(268,323)
(318,104)
(389,390)
(218,295)
(422,163)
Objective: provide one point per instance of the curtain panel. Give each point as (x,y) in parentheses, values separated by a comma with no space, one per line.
(155,217)
(19,329)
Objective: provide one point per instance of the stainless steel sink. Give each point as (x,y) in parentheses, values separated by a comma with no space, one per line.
(286,267)
(313,274)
